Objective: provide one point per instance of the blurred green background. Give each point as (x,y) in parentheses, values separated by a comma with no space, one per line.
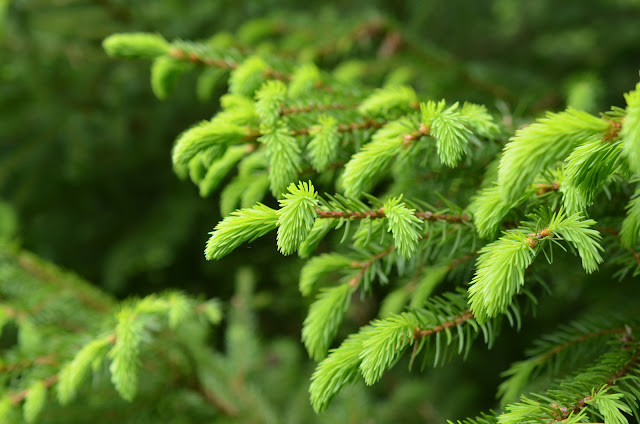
(85,172)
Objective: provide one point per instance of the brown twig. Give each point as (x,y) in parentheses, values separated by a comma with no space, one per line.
(426,216)
(316,107)
(465,316)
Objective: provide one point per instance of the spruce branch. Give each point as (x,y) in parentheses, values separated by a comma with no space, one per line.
(543,143)
(568,341)
(501,265)
(574,397)
(380,213)
(296,216)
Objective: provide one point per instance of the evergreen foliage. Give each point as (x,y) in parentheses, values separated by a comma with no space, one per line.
(431,209)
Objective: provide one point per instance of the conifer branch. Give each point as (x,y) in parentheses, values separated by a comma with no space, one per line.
(380,213)
(29,264)
(201,60)
(565,411)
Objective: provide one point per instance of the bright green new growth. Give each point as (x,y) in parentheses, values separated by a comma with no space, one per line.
(630,131)
(385,343)
(389,99)
(489,209)
(583,181)
(479,120)
(324,318)
(337,370)
(542,144)
(284,158)
(630,231)
(220,168)
(368,164)
(244,225)
(404,225)
(304,79)
(125,353)
(247,77)
(577,231)
(269,100)
(323,147)
(499,275)
(74,373)
(501,265)
(434,329)
(206,134)
(296,216)
(448,127)
(136,45)
(286,120)
(165,72)
(35,401)
(318,267)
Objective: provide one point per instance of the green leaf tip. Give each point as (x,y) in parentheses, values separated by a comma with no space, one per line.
(499,275)
(296,216)
(165,72)
(323,147)
(541,144)
(324,318)
(630,131)
(244,225)
(284,158)
(269,100)
(403,224)
(204,135)
(449,127)
(74,372)
(125,354)
(135,45)
(35,401)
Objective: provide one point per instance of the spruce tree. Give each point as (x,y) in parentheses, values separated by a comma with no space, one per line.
(462,220)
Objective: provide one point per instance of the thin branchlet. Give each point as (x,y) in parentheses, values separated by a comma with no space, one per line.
(460,319)
(380,213)
(563,412)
